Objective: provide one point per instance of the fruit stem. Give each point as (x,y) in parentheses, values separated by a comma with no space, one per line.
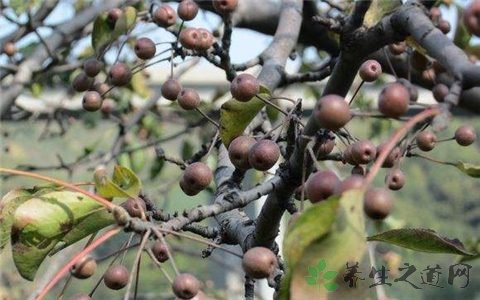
(433,159)
(159,265)
(268,102)
(75,259)
(208,118)
(73,187)
(399,133)
(389,63)
(356,92)
(135,267)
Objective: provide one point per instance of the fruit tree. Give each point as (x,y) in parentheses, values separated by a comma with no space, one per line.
(295,131)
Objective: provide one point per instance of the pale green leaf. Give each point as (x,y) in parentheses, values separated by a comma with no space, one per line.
(332,230)
(469,169)
(139,85)
(235,115)
(8,205)
(44,220)
(104,33)
(419,239)
(124,183)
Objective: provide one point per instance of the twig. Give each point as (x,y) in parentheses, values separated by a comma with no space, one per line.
(76,258)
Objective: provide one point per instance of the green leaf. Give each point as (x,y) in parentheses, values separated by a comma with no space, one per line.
(187,150)
(8,205)
(462,36)
(235,115)
(139,85)
(20,6)
(312,271)
(321,265)
(329,275)
(331,286)
(425,240)
(313,224)
(103,32)
(45,220)
(36,89)
(156,167)
(93,222)
(332,230)
(138,159)
(469,169)
(124,183)
(310,280)
(126,21)
(378,9)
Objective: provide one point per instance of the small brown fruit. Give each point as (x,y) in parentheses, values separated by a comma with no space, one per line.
(84,268)
(160,251)
(426,140)
(259,262)
(197,176)
(225,7)
(9,49)
(397,48)
(189,38)
(465,135)
(164,16)
(395,179)
(393,100)
(113,15)
(82,82)
(92,101)
(188,99)
(363,152)
(244,87)
(238,151)
(116,277)
(321,185)
(471,17)
(134,207)
(119,74)
(352,182)
(171,88)
(440,91)
(378,203)
(187,10)
(185,286)
(92,67)
(145,48)
(205,39)
(263,155)
(332,112)
(370,70)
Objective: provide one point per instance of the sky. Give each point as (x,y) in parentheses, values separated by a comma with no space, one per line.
(242,39)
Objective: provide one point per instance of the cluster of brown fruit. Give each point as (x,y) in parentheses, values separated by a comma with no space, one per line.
(116,277)
(332,112)
(245,153)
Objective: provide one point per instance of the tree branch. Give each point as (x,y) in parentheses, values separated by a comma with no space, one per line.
(59,38)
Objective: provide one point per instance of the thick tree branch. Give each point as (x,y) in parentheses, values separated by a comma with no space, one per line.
(276,56)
